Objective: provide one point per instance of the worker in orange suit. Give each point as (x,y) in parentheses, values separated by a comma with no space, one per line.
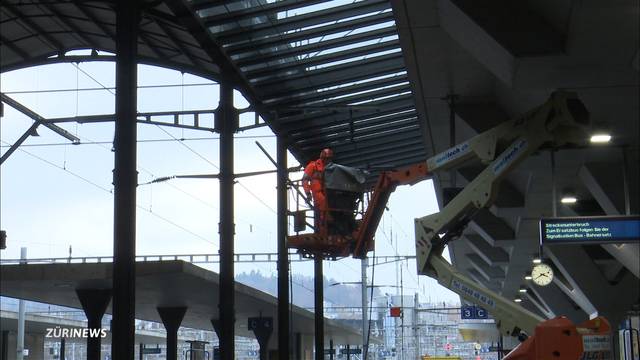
(313,185)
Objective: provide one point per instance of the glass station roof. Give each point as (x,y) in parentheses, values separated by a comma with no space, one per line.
(321,73)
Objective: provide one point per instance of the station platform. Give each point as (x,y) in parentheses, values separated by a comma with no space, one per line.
(166,284)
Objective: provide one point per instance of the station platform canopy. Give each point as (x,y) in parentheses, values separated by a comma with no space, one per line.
(162,284)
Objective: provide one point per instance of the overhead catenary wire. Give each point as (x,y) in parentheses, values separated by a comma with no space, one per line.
(189,148)
(217,168)
(105,142)
(110,191)
(105,88)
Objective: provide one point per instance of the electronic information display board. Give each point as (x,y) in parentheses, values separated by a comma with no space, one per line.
(590,230)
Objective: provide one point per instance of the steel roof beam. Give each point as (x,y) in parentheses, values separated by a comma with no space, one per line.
(379,163)
(396,89)
(304,98)
(389,137)
(300,128)
(392,162)
(354,131)
(400,151)
(205,4)
(44,35)
(347,125)
(364,68)
(228,71)
(63,19)
(348,135)
(11,45)
(387,105)
(325,59)
(195,61)
(256,11)
(349,78)
(375,158)
(256,59)
(97,22)
(146,40)
(301,21)
(252,45)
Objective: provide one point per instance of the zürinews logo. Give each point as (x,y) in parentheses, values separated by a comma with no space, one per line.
(59,332)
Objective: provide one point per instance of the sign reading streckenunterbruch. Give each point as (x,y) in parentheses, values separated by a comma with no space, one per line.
(590,230)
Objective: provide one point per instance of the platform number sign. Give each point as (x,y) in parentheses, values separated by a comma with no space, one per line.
(481,313)
(466,312)
(473,312)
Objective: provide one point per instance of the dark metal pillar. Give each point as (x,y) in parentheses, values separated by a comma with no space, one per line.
(141,353)
(4,344)
(171,319)
(63,343)
(227,124)
(262,329)
(216,327)
(94,303)
(318,307)
(125,180)
(299,349)
(284,348)
(331,349)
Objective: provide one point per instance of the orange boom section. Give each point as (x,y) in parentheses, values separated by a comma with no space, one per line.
(331,238)
(559,338)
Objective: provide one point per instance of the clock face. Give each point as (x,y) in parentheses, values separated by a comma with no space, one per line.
(542,274)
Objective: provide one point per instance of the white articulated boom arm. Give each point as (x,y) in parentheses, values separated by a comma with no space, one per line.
(560,120)
(511,318)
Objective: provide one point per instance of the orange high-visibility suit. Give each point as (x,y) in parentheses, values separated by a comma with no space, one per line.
(313,184)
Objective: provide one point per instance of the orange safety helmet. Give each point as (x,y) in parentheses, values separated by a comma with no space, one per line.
(326,154)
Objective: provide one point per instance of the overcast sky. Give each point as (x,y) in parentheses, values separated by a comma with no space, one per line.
(55,195)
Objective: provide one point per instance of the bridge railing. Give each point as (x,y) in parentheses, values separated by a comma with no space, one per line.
(192,258)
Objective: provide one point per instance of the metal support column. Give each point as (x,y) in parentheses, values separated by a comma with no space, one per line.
(226,124)
(4,344)
(21,315)
(331,349)
(63,343)
(283,253)
(125,180)
(416,322)
(365,315)
(318,307)
(94,303)
(171,319)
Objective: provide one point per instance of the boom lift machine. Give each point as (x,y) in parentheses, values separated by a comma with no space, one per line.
(561,120)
